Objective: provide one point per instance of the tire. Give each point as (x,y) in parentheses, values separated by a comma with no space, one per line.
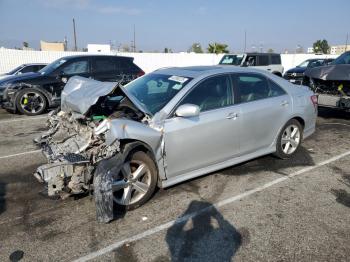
(135,160)
(287,145)
(31,102)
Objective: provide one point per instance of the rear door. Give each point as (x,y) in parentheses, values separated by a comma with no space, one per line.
(104,69)
(263,62)
(265,107)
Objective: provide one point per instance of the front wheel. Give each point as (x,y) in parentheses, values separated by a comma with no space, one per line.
(31,102)
(136,182)
(289,139)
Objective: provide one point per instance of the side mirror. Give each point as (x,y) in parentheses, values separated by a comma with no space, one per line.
(187,110)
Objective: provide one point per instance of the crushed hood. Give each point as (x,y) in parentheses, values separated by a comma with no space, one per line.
(80,93)
(330,72)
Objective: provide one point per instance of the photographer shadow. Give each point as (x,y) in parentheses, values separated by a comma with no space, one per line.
(202,234)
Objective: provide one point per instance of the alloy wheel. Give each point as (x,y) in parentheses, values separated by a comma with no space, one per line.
(290,139)
(132,184)
(32,102)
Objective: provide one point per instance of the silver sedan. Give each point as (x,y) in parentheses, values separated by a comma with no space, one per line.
(170,126)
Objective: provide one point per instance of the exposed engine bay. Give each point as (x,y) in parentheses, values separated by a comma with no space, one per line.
(76,138)
(331,83)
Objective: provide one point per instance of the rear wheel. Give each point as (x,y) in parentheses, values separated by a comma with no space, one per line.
(136,182)
(31,102)
(289,139)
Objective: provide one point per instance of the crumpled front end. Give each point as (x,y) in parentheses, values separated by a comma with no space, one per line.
(73,146)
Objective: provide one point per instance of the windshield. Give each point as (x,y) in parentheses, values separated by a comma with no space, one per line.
(51,67)
(14,70)
(343,59)
(231,60)
(304,64)
(154,91)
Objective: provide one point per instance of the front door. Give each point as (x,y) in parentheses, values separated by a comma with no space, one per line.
(212,137)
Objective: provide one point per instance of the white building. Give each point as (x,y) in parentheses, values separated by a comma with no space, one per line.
(310,50)
(99,48)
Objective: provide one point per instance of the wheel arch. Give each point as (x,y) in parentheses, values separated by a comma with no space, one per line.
(277,73)
(46,94)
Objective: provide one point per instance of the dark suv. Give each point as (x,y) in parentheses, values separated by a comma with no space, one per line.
(33,93)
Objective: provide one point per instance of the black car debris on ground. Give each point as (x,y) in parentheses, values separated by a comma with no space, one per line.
(34,93)
(331,83)
(295,75)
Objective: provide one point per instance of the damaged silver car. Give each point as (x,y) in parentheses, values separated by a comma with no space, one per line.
(174,124)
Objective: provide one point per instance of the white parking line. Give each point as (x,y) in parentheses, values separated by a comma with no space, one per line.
(20,154)
(222,203)
(22,119)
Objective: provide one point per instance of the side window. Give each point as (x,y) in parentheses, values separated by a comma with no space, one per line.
(275,90)
(103,65)
(212,93)
(252,87)
(77,67)
(28,69)
(263,60)
(251,60)
(275,59)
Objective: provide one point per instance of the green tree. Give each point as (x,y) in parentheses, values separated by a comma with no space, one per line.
(270,50)
(321,46)
(25,44)
(217,48)
(196,48)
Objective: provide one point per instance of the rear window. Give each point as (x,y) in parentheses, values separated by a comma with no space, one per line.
(103,65)
(275,59)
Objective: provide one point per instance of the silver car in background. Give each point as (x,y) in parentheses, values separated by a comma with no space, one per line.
(167,127)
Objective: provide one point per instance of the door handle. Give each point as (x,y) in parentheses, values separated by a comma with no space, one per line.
(232,116)
(284,103)
(269,69)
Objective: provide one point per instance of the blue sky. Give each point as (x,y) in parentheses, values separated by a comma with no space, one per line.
(275,24)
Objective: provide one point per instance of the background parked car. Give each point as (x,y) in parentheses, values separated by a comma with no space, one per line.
(33,93)
(266,61)
(331,82)
(295,75)
(25,68)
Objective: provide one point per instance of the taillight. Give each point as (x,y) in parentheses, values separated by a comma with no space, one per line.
(314,100)
(141,73)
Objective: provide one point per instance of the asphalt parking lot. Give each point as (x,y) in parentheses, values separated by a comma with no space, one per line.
(263,210)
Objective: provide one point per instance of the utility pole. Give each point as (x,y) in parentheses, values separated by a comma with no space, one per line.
(245,40)
(75,37)
(134,39)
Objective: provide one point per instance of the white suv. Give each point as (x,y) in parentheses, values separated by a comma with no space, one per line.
(266,61)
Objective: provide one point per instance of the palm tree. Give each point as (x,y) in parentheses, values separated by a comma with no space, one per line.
(217,48)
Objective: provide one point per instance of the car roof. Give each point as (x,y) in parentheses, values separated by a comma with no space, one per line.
(30,64)
(95,55)
(197,71)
